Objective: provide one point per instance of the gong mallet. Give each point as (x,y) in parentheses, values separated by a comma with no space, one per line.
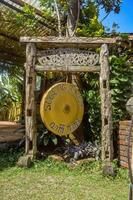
(129,107)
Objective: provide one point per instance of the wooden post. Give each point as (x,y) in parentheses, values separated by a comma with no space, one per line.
(106,106)
(30,106)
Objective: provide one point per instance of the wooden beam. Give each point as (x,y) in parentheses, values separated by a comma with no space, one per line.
(106,106)
(30,105)
(37,12)
(10,37)
(68,41)
(85,42)
(22,4)
(19,10)
(69,69)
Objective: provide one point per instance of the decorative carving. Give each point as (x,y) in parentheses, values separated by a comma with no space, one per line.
(67,57)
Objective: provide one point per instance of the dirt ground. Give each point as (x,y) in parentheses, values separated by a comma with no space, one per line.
(7,132)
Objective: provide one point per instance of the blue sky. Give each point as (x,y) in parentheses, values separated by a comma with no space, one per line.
(124,19)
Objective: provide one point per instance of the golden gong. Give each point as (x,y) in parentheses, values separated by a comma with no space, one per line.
(62,108)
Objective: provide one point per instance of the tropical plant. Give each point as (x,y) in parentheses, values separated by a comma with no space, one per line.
(11,93)
(120,83)
(89,24)
(46,137)
(91,96)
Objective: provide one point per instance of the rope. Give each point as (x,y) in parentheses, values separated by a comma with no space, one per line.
(129,162)
(67,74)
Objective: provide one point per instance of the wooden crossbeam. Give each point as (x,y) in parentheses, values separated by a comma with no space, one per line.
(69,42)
(69,69)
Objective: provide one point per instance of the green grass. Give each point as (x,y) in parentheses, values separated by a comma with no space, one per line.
(49,180)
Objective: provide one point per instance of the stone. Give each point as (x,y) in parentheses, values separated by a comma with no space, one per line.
(25,161)
(108,170)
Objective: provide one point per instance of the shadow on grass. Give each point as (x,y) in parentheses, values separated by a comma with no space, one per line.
(8,159)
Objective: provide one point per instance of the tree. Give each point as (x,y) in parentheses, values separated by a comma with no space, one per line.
(74,11)
(11,92)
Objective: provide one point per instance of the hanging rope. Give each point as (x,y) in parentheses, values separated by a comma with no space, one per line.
(67,77)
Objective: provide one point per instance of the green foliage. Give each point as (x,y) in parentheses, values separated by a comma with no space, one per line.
(120,83)
(92,99)
(49,11)
(46,137)
(11,93)
(89,24)
(109,5)
(27,18)
(48,8)
(9,159)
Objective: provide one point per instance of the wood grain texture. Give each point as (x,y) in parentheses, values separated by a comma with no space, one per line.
(69,41)
(30,106)
(68,69)
(106,106)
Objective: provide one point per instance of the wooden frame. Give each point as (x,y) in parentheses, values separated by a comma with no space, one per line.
(104,69)
(77,42)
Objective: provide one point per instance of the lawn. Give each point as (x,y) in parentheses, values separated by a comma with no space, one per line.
(50,180)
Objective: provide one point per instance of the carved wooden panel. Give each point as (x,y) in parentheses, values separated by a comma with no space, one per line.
(67,57)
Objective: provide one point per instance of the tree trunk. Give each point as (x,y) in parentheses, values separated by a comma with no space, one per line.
(73,16)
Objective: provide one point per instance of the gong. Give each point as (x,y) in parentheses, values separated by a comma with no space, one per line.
(62,108)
